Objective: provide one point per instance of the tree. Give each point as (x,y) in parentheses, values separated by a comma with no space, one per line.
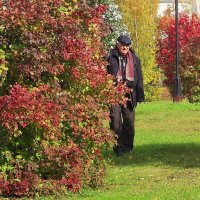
(113,17)
(189,40)
(140,17)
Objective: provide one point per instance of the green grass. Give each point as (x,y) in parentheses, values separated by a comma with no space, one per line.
(165,164)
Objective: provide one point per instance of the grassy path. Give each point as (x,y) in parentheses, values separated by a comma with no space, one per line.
(166,162)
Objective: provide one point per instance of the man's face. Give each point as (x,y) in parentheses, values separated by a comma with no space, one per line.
(123,48)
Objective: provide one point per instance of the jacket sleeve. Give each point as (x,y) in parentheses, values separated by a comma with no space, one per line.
(112,64)
(140,84)
(107,59)
(108,66)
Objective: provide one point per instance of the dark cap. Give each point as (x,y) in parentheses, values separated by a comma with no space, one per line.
(124,39)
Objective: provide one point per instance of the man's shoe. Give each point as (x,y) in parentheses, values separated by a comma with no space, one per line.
(118,150)
(127,149)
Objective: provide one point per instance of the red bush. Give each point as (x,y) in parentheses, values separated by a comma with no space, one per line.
(53,115)
(23,107)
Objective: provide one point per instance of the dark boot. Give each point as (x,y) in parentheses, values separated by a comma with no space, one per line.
(118,150)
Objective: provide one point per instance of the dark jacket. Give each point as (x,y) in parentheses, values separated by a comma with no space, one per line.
(137,85)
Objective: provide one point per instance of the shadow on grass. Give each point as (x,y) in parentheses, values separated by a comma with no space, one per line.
(185,155)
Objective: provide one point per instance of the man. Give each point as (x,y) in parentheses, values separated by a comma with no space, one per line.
(125,66)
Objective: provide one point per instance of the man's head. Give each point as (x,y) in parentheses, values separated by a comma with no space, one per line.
(123,43)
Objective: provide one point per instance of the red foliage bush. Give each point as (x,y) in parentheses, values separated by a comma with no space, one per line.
(20,184)
(54,101)
(23,107)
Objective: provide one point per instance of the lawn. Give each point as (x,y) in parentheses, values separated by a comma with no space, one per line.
(165,164)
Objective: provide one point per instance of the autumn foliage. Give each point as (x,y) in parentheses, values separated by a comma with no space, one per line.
(140,18)
(189,41)
(54,98)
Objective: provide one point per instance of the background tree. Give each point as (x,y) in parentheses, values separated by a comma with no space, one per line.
(189,40)
(113,17)
(140,17)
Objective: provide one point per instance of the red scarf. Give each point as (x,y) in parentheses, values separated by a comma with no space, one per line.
(129,68)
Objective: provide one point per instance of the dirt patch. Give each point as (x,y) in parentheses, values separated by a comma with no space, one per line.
(165,94)
(190,175)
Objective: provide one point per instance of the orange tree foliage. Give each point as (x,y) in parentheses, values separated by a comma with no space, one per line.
(189,41)
(54,96)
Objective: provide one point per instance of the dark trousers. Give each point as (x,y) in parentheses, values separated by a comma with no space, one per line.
(122,123)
